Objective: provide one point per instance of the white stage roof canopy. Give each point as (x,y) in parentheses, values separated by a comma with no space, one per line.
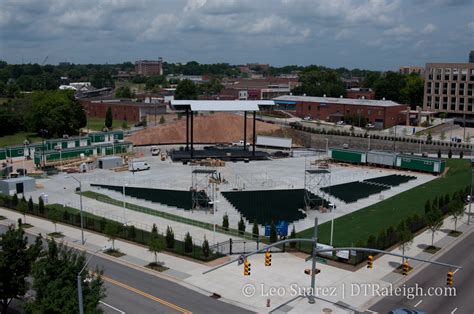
(220,105)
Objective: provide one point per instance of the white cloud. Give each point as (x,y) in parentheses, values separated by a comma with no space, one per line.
(470,25)
(400,30)
(429,28)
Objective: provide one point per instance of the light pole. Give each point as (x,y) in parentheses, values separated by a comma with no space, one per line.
(79,282)
(327,146)
(25,143)
(368,148)
(80,201)
(123,201)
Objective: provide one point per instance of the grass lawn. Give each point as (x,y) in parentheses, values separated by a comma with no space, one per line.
(18,138)
(97,124)
(359,225)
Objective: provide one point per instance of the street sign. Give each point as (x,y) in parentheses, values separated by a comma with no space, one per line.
(241,260)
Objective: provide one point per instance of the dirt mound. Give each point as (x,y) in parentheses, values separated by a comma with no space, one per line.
(213,128)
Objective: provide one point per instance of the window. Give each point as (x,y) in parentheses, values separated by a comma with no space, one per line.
(463,74)
(444,105)
(447,73)
(453,88)
(461,104)
(445,88)
(455,74)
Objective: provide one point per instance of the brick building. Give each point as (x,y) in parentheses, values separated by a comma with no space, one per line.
(257,89)
(122,109)
(381,113)
(360,93)
(149,67)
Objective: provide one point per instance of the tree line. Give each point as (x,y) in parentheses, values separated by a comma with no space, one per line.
(47,113)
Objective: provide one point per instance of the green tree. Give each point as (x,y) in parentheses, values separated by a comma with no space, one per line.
(255,231)
(456,211)
(162,120)
(320,82)
(109,120)
(389,86)
(23,208)
(123,92)
(16,259)
(412,91)
(186,89)
(241,226)
(131,233)
(273,233)
(54,215)
(293,236)
(155,245)
(41,205)
(112,230)
(31,206)
(405,236)
(225,222)
(205,248)
(439,153)
(434,221)
(372,242)
(56,111)
(169,237)
(188,243)
(15,200)
(427,206)
(55,282)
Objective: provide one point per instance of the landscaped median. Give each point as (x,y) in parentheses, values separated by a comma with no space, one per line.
(362,226)
(71,216)
(231,232)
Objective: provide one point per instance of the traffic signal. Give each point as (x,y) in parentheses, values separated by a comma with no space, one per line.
(307,271)
(246,268)
(268,258)
(406,268)
(370,261)
(449,279)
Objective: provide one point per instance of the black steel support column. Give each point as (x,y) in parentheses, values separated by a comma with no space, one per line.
(254,134)
(192,135)
(245,130)
(187,130)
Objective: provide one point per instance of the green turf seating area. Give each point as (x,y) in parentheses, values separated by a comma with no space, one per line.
(391,180)
(266,206)
(353,191)
(174,198)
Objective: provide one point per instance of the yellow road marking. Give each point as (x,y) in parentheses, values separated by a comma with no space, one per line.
(146,295)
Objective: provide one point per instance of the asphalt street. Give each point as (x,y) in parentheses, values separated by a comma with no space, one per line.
(461,254)
(129,290)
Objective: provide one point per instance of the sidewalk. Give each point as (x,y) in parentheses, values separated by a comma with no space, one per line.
(285,276)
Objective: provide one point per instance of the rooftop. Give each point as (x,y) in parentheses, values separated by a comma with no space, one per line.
(220,105)
(333,100)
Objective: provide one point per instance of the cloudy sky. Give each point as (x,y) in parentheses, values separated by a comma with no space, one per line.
(371,34)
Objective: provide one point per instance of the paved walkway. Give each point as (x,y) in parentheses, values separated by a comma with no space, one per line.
(279,283)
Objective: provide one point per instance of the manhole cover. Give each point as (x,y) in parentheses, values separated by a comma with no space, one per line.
(326,310)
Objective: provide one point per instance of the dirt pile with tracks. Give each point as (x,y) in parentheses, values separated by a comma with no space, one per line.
(212,128)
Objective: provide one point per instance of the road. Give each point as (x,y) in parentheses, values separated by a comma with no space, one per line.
(129,290)
(461,254)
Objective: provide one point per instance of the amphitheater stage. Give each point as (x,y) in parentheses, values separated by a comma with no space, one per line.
(227,154)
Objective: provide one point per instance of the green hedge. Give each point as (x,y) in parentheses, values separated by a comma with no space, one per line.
(71,216)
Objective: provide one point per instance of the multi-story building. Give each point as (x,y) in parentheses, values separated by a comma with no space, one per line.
(449,87)
(149,67)
(411,69)
(381,113)
(360,93)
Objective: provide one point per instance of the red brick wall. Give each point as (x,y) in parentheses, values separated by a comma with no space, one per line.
(354,94)
(389,115)
(119,111)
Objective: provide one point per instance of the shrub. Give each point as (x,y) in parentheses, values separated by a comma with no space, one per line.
(188,243)
(293,236)
(241,226)
(273,233)
(169,237)
(205,248)
(225,222)
(255,232)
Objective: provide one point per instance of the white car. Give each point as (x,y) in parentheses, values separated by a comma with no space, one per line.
(370,126)
(340,122)
(308,118)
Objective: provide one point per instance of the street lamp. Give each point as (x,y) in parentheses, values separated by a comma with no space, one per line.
(25,147)
(80,198)
(123,202)
(79,281)
(368,136)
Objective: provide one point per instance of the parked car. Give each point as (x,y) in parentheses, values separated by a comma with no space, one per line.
(340,122)
(370,126)
(308,118)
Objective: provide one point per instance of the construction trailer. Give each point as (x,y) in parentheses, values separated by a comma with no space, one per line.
(110,162)
(18,185)
(346,155)
(423,164)
(381,158)
(106,137)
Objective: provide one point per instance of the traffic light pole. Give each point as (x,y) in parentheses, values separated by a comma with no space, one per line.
(315,251)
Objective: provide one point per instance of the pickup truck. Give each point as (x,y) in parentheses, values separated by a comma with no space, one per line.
(240,143)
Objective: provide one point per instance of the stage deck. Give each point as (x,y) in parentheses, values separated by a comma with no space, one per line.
(227,154)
